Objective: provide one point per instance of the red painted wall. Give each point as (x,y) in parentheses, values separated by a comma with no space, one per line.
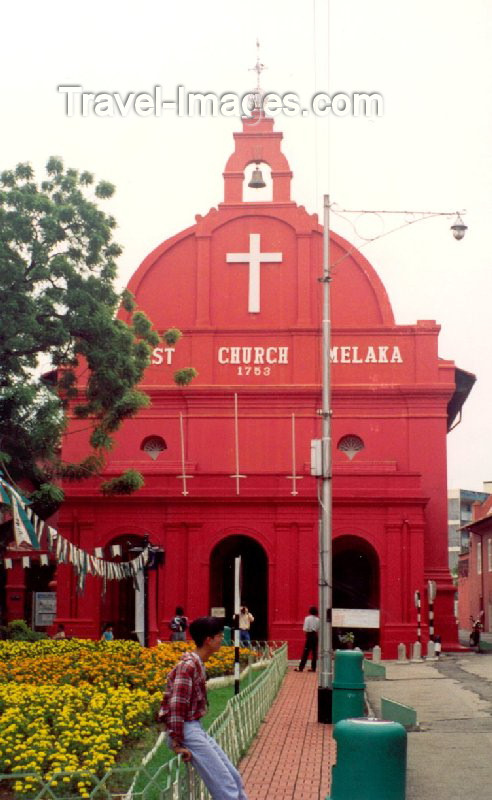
(389,388)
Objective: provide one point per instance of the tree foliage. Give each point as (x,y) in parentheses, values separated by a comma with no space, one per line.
(58,324)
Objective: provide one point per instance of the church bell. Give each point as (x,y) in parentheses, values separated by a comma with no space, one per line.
(257,181)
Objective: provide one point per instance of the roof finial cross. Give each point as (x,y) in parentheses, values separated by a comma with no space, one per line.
(257,95)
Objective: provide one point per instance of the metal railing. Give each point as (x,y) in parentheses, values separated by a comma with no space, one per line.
(234,729)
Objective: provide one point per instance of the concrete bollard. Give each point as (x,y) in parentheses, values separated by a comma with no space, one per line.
(376,654)
(371,760)
(402,652)
(227,637)
(431,650)
(348,685)
(417,651)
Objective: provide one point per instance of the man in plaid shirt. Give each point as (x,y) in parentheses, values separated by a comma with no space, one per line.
(185,703)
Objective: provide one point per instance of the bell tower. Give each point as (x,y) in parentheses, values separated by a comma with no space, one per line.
(257,143)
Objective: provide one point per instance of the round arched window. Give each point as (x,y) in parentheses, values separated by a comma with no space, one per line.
(153,446)
(350,445)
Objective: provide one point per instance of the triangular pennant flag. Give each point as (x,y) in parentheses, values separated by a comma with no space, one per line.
(39,526)
(4,495)
(115,550)
(21,534)
(52,537)
(82,570)
(29,527)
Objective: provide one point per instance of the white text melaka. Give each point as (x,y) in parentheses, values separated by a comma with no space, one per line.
(370,354)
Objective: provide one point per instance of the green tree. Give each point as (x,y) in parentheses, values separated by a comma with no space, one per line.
(58,320)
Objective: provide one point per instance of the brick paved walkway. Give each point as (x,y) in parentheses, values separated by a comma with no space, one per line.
(292,754)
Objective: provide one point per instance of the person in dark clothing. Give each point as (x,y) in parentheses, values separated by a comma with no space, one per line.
(310,628)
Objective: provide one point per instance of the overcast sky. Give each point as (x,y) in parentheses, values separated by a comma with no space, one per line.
(431,149)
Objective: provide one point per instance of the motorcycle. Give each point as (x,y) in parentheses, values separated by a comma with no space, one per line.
(477,627)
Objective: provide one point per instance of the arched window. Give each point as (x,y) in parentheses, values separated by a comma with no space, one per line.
(153,446)
(350,445)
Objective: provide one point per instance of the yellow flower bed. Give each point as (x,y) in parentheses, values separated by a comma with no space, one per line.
(69,706)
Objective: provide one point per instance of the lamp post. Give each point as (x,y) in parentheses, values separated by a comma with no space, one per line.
(322,461)
(325,521)
(155,558)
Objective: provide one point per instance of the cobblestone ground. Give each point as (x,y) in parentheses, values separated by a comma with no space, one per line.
(292,754)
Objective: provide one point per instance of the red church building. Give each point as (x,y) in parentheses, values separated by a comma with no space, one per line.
(226,458)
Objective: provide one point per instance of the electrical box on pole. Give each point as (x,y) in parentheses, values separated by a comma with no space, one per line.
(320,462)
(316,458)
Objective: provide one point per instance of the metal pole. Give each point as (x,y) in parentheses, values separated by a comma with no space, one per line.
(146,593)
(237,603)
(146,605)
(431,596)
(325,536)
(419,625)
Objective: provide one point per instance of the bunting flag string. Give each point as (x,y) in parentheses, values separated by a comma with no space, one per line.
(29,530)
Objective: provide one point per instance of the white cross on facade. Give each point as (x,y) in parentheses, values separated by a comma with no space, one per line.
(254,258)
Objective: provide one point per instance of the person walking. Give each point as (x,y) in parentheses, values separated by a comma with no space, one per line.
(245,620)
(178,625)
(310,628)
(183,706)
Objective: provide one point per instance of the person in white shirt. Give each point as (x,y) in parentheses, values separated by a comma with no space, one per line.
(245,620)
(310,628)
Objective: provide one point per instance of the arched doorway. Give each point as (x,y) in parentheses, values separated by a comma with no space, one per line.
(120,604)
(356,589)
(254,580)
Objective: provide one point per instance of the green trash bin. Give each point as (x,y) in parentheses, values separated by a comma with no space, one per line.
(371,760)
(348,685)
(227,638)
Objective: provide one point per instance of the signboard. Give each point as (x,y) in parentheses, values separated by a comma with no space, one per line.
(44,609)
(218,611)
(356,617)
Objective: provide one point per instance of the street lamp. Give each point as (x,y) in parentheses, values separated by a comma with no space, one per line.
(459,228)
(154,559)
(321,449)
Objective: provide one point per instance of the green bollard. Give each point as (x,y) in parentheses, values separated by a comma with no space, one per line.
(348,685)
(227,639)
(371,760)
